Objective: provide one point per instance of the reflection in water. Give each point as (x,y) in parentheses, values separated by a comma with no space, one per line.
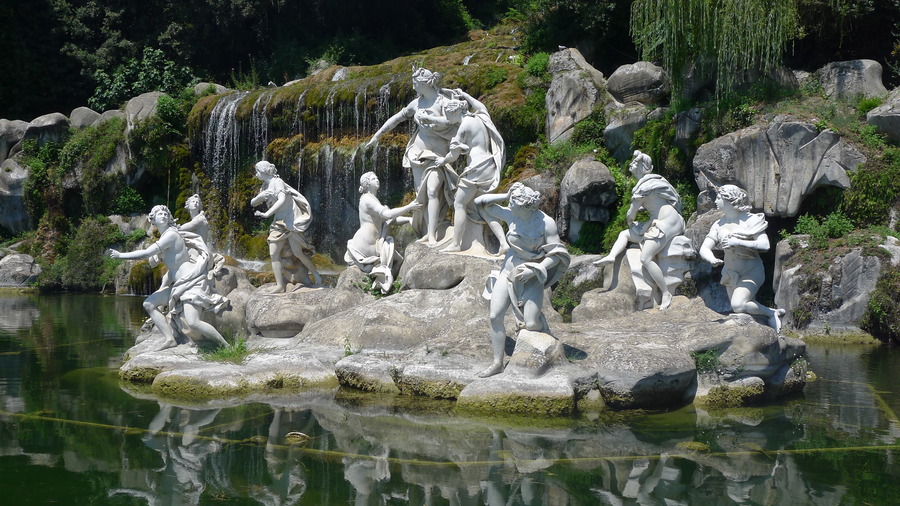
(70,433)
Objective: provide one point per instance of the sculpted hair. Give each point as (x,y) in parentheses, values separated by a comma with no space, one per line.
(423,75)
(267,168)
(169,219)
(366,180)
(193,200)
(642,158)
(524,196)
(453,105)
(735,196)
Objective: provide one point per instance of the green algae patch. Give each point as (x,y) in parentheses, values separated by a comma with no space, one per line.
(731,396)
(435,389)
(515,403)
(192,388)
(841,338)
(366,383)
(140,375)
(693,446)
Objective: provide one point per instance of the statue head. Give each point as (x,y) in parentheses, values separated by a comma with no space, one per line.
(422,75)
(523,196)
(735,196)
(641,164)
(167,219)
(368,181)
(193,202)
(454,108)
(267,168)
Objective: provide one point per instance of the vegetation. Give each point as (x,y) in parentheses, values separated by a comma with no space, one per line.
(83,265)
(882,316)
(234,353)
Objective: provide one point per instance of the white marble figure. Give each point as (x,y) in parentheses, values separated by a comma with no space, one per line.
(658,197)
(434,183)
(199,225)
(291,217)
(186,288)
(535,260)
(741,235)
(478,139)
(371,249)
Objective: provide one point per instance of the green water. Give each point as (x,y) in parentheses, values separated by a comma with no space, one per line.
(71,434)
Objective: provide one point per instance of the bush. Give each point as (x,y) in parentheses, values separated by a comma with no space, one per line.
(874,188)
(152,72)
(85,266)
(538,64)
(882,316)
(833,226)
(129,201)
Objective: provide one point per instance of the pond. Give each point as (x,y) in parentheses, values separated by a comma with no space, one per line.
(71,433)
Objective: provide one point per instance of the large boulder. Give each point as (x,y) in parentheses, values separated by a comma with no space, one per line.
(83,117)
(202,88)
(641,82)
(13,216)
(586,192)
(576,89)
(621,125)
(886,117)
(11,133)
(47,128)
(778,164)
(140,108)
(18,270)
(851,79)
(833,298)
(110,114)
(281,315)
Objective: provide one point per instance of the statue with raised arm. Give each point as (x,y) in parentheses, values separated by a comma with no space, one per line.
(536,259)
(659,198)
(478,139)
(186,288)
(371,249)
(741,235)
(291,217)
(434,183)
(199,225)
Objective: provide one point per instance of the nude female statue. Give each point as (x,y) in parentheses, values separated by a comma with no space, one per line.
(535,260)
(371,248)
(434,183)
(185,288)
(292,217)
(654,194)
(741,235)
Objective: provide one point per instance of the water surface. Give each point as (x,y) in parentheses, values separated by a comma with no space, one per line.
(71,434)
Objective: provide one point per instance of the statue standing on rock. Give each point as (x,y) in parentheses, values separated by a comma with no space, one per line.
(291,217)
(535,260)
(186,288)
(371,249)
(659,198)
(741,235)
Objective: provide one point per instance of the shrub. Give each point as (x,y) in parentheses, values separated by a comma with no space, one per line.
(85,266)
(538,64)
(882,316)
(129,201)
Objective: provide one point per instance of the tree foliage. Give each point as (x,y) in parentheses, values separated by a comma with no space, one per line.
(722,39)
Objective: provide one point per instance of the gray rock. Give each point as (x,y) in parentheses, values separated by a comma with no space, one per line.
(110,114)
(552,394)
(13,216)
(11,133)
(576,89)
(128,224)
(535,353)
(282,314)
(778,164)
(687,127)
(17,270)
(202,88)
(851,79)
(49,127)
(621,125)
(83,117)
(586,193)
(886,117)
(366,373)
(140,108)
(641,82)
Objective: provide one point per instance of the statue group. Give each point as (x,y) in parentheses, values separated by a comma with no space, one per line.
(455,155)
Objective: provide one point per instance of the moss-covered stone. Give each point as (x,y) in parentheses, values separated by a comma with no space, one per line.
(731,396)
(516,403)
(141,375)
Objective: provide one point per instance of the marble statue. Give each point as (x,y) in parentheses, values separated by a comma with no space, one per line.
(434,183)
(478,139)
(199,225)
(371,249)
(291,217)
(659,198)
(186,288)
(536,259)
(740,234)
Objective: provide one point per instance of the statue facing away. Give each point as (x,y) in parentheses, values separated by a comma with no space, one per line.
(186,288)
(659,198)
(535,260)
(371,249)
(741,235)
(199,225)
(291,217)
(434,183)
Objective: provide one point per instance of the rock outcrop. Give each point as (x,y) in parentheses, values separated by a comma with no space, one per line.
(576,89)
(11,133)
(586,193)
(83,117)
(47,128)
(18,270)
(641,82)
(851,79)
(886,117)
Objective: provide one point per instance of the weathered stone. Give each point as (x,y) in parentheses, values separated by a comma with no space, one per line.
(576,89)
(687,127)
(366,373)
(282,314)
(426,268)
(13,216)
(586,192)
(18,270)
(83,117)
(140,108)
(641,82)
(779,164)
(886,117)
(110,114)
(442,378)
(621,125)
(11,133)
(202,88)
(551,394)
(47,128)
(851,79)
(535,353)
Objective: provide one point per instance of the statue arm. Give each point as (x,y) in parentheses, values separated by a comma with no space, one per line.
(392,122)
(388,213)
(282,198)
(474,103)
(193,224)
(260,198)
(154,249)
(706,251)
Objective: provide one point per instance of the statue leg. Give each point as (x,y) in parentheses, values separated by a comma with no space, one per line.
(743,300)
(277,268)
(533,294)
(649,249)
(192,317)
(464,197)
(433,185)
(307,262)
(151,306)
(619,246)
(499,304)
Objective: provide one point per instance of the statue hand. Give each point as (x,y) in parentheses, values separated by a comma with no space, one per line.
(716,262)
(372,141)
(415,206)
(114,253)
(259,214)
(730,242)
(523,274)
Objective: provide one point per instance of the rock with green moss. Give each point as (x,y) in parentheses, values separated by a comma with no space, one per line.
(551,394)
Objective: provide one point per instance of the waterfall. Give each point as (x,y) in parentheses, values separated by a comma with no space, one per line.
(220,141)
(259,124)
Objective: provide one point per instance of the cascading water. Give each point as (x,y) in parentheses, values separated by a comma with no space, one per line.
(259,124)
(220,141)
